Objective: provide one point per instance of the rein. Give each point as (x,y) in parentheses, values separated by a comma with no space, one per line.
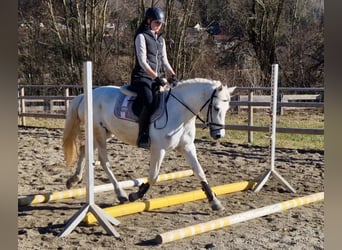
(197,116)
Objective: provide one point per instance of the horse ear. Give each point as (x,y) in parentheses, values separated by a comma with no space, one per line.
(231,89)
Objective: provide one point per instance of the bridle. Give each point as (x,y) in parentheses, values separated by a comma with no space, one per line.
(209,112)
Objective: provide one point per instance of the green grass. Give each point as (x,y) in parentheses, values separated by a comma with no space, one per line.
(296,119)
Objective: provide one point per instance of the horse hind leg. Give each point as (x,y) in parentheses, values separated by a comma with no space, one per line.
(100,141)
(120,193)
(143,188)
(157,157)
(76,178)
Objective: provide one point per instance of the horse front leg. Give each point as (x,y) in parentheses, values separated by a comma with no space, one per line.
(189,152)
(157,157)
(78,175)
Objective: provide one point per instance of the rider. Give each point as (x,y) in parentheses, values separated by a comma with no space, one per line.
(150,53)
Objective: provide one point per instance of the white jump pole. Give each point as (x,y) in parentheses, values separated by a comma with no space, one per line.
(73,193)
(104,219)
(274,94)
(219,223)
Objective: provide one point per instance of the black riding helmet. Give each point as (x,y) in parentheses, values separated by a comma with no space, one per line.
(155,14)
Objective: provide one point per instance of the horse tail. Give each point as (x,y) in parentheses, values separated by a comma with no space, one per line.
(71,133)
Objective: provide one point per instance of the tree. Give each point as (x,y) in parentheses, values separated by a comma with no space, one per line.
(81,37)
(262,30)
(301,49)
(30,41)
(55,37)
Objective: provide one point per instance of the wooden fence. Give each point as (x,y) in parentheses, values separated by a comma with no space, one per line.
(55,102)
(301,98)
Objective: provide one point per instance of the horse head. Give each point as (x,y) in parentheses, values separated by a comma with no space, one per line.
(218,107)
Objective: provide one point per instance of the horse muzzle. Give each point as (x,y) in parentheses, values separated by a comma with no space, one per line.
(217,133)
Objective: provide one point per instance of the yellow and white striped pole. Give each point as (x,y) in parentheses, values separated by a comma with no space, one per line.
(236,218)
(66,194)
(171,200)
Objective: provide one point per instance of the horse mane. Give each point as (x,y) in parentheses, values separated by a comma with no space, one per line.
(199,81)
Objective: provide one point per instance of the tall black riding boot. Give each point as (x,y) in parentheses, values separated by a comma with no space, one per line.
(144,126)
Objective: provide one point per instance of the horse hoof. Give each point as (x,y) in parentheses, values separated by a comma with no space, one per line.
(217,208)
(122,199)
(133,197)
(69,184)
(216,205)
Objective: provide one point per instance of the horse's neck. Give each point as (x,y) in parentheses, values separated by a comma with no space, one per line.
(194,96)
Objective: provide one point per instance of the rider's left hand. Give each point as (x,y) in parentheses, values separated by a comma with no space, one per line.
(159,81)
(173,81)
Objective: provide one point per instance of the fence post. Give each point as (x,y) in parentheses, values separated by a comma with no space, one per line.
(22,105)
(51,106)
(67,101)
(279,100)
(250,116)
(282,99)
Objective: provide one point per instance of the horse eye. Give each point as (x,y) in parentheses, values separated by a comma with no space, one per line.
(216,108)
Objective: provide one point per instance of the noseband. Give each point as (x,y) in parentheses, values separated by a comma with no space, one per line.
(209,112)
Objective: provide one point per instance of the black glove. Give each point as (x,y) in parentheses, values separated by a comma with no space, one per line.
(159,81)
(173,81)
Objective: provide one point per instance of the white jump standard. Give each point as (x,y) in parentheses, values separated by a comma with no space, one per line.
(264,177)
(90,205)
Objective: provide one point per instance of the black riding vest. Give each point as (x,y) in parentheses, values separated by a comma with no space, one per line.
(154,48)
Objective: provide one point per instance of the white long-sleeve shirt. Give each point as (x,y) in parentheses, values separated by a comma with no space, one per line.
(141,54)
